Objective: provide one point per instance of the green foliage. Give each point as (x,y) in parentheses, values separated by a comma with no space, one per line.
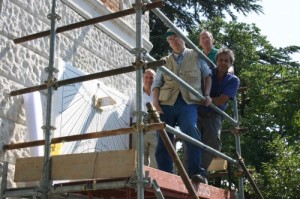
(271,104)
(186,15)
(270,107)
(281,175)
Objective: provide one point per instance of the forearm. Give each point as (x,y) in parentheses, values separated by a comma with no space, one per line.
(156,104)
(207,86)
(155,93)
(220,100)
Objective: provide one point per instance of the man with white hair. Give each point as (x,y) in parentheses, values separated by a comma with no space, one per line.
(150,138)
(177,106)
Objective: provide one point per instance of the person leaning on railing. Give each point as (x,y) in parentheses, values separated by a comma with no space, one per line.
(179,107)
(224,87)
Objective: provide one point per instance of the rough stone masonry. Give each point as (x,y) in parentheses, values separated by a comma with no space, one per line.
(23,65)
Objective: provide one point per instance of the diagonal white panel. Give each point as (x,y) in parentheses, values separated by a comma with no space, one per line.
(75,113)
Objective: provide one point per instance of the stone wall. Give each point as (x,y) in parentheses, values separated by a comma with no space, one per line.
(23,65)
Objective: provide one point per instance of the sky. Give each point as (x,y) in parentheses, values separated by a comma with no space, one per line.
(279,22)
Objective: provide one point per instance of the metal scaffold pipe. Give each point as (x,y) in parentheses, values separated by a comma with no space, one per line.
(121,131)
(253,184)
(170,148)
(189,43)
(103,74)
(45,182)
(88,22)
(238,147)
(201,54)
(199,144)
(196,93)
(139,102)
(234,121)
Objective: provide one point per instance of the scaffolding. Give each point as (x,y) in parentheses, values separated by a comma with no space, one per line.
(45,188)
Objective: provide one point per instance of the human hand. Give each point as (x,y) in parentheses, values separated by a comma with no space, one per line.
(207,100)
(158,107)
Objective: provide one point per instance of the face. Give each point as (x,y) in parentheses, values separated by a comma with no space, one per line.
(176,43)
(206,41)
(223,62)
(148,79)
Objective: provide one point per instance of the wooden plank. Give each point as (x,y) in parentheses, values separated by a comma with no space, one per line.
(29,169)
(110,164)
(73,166)
(218,164)
(119,165)
(172,187)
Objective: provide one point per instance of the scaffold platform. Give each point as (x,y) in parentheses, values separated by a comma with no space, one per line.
(171,186)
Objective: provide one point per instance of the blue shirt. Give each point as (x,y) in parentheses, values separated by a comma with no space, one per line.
(228,86)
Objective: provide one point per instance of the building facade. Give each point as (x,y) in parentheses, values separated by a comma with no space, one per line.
(95,48)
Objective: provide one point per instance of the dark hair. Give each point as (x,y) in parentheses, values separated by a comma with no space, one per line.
(226,51)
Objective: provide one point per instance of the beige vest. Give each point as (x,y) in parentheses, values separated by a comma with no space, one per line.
(189,72)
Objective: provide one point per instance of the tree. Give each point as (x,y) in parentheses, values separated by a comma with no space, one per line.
(271,109)
(272,106)
(186,15)
(282,174)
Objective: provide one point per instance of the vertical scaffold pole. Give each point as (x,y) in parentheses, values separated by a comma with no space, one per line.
(139,90)
(45,184)
(238,147)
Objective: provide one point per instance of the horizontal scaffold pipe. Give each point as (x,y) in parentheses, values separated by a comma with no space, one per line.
(199,144)
(103,74)
(201,54)
(71,138)
(62,188)
(160,15)
(189,43)
(196,93)
(172,152)
(88,22)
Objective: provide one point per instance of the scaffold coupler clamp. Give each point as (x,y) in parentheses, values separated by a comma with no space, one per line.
(52,83)
(240,162)
(146,181)
(235,130)
(55,16)
(51,128)
(238,130)
(142,65)
(89,186)
(143,123)
(51,69)
(140,6)
(143,52)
